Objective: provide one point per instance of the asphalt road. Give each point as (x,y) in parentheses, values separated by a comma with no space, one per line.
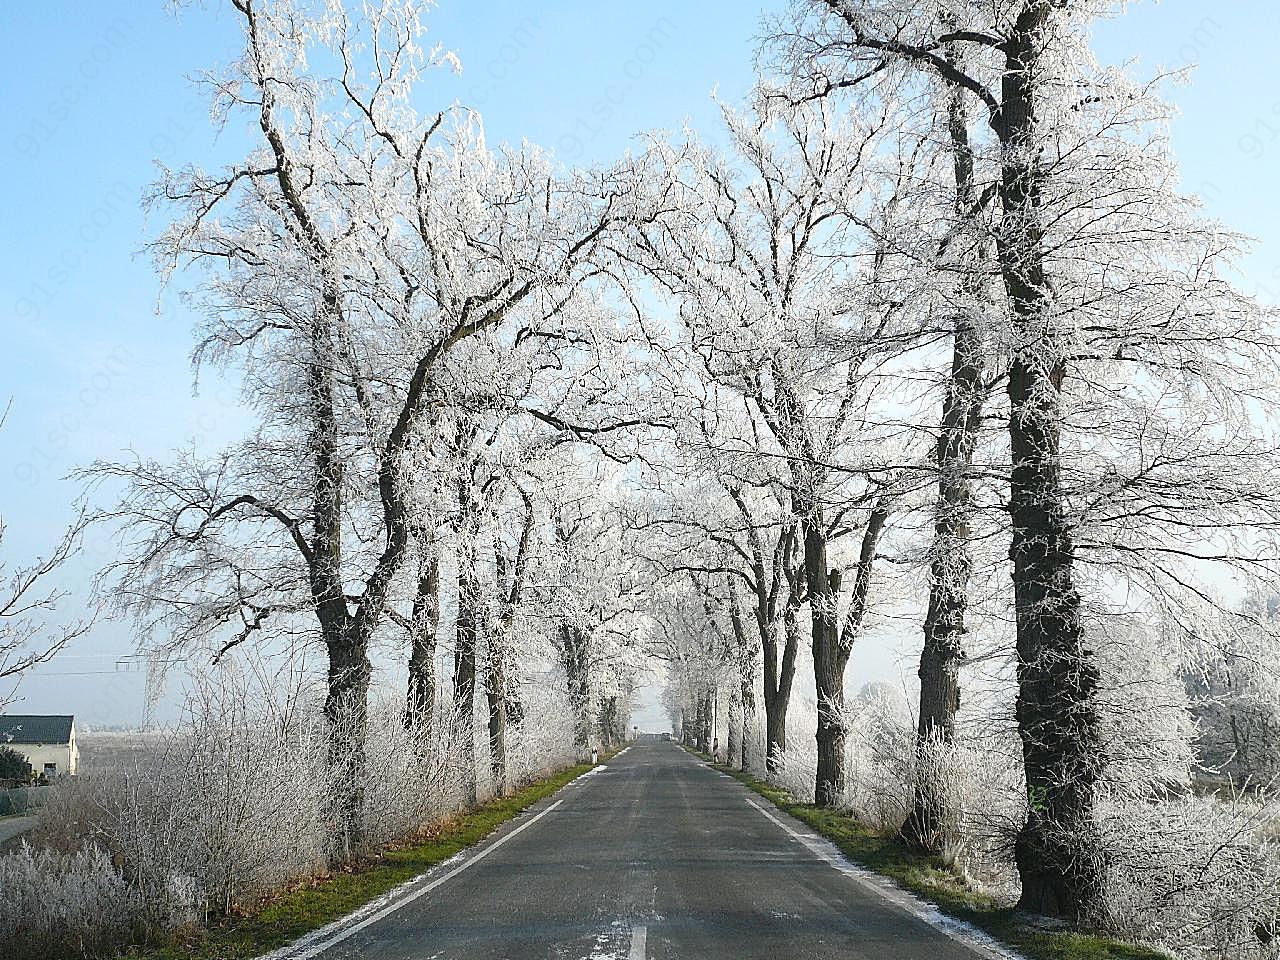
(654,855)
(11,828)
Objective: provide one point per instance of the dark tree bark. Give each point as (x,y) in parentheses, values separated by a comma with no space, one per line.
(510,579)
(495,695)
(951,563)
(778,680)
(424,637)
(610,730)
(1058,851)
(744,698)
(464,685)
(466,639)
(823,590)
(346,636)
(833,640)
(704,719)
(345,710)
(575,658)
(776,607)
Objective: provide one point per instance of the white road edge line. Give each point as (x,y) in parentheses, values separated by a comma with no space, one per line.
(639,936)
(957,930)
(310,949)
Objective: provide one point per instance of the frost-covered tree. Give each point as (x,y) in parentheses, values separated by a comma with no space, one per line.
(596,596)
(30,633)
(1132,374)
(783,298)
(350,254)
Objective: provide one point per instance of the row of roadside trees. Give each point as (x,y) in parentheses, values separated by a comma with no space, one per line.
(930,306)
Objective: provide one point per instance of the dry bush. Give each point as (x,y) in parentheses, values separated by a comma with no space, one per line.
(981,792)
(797,765)
(879,757)
(1199,875)
(756,760)
(413,778)
(542,743)
(58,906)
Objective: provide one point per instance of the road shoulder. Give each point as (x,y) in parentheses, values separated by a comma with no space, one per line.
(305,920)
(930,889)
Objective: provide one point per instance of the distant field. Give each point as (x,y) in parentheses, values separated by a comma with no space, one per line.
(108,752)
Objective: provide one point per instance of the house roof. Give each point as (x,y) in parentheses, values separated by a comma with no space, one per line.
(35,729)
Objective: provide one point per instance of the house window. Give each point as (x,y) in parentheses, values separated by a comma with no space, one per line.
(50,769)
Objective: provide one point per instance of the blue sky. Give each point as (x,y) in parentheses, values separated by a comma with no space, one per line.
(95,93)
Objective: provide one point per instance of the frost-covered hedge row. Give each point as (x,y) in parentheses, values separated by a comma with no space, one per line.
(232,805)
(1198,875)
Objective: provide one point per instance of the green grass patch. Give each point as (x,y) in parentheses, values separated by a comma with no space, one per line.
(310,905)
(933,880)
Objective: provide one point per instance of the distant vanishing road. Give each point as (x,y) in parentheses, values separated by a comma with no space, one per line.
(655,855)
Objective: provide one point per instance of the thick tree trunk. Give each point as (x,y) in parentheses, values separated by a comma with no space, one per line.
(345,711)
(742,703)
(704,723)
(823,587)
(1058,851)
(464,680)
(951,563)
(778,681)
(574,659)
(833,640)
(495,694)
(420,709)
(346,702)
(609,733)
(733,741)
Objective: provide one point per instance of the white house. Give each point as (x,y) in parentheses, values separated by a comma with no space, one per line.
(48,743)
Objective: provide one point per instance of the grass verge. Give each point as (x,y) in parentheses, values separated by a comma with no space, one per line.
(299,910)
(931,879)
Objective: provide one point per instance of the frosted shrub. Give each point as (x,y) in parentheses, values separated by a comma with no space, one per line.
(233,804)
(412,780)
(797,767)
(241,770)
(879,754)
(73,905)
(756,760)
(1199,875)
(981,789)
(543,740)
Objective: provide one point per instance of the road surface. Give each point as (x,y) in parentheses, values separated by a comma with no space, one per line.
(11,828)
(652,856)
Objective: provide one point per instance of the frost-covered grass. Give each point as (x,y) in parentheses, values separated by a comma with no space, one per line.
(66,905)
(306,907)
(934,880)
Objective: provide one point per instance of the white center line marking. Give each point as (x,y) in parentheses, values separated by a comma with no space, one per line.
(639,936)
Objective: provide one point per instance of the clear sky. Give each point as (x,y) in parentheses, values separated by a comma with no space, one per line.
(96,92)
